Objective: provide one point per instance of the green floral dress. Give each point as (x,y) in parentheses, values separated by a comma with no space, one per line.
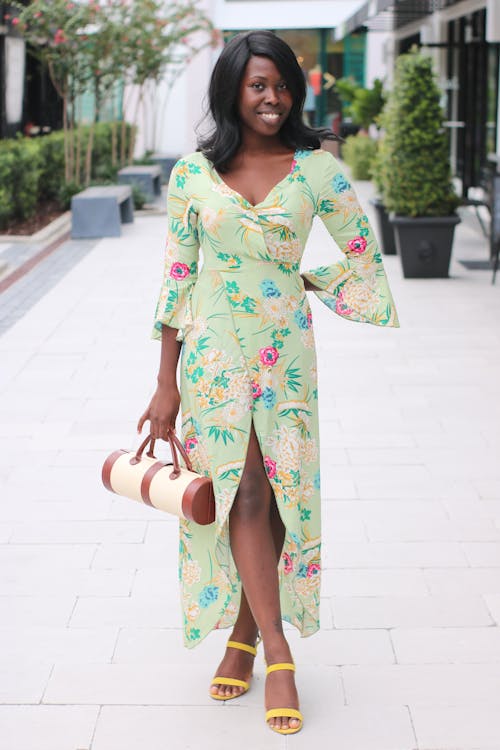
(248,354)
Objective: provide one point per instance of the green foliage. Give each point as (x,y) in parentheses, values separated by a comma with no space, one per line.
(138,197)
(359,152)
(416,170)
(32,169)
(378,168)
(361,104)
(20,169)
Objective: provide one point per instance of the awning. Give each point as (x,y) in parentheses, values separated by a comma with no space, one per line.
(389,15)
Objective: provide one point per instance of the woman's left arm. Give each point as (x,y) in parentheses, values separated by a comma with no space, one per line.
(355,288)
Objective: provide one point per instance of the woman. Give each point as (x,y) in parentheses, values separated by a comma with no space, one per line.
(248,369)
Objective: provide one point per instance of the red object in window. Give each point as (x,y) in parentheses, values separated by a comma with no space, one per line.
(315,78)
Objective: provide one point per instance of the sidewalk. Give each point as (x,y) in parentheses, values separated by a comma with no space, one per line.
(409,652)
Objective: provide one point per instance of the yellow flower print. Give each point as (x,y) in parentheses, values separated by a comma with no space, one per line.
(191,572)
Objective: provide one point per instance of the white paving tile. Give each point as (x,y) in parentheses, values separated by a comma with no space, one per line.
(409,611)
(446,645)
(422,684)
(50,644)
(467,727)
(47,727)
(184,728)
(374,582)
(23,682)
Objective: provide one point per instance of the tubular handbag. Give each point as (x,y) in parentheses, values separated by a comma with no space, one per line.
(164,485)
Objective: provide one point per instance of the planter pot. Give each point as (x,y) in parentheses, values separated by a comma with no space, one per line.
(424,244)
(385,228)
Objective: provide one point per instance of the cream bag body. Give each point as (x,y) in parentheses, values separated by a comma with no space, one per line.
(164,485)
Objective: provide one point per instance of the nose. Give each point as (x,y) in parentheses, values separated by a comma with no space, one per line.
(271,95)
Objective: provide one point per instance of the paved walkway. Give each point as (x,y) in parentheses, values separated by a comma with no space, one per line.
(409,651)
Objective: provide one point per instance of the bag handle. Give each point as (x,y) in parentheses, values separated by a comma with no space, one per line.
(175,445)
(136,459)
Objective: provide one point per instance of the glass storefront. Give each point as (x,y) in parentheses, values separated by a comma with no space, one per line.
(472,97)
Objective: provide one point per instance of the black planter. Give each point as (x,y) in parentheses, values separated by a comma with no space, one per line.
(385,228)
(424,244)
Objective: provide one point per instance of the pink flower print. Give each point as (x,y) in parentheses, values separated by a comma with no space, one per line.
(179,270)
(357,245)
(288,564)
(270,466)
(256,389)
(312,570)
(191,444)
(340,307)
(309,319)
(269,355)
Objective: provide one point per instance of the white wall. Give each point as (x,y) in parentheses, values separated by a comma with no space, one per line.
(283,14)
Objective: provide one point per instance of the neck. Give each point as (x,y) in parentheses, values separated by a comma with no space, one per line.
(253,143)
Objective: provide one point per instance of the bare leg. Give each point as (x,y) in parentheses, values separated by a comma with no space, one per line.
(238,663)
(254,553)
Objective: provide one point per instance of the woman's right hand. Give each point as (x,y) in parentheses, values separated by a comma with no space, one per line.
(162,411)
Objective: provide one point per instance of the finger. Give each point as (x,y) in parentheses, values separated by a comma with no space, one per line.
(141,421)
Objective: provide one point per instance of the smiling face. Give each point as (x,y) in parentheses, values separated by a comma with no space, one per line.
(265,99)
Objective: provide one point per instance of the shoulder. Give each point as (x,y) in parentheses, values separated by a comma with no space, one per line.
(187,168)
(323,171)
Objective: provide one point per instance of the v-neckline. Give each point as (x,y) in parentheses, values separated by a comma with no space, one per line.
(242,197)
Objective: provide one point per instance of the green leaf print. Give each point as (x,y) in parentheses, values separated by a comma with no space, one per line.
(292,378)
(220,432)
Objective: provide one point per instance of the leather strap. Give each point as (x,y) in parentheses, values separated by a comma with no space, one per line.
(230,681)
(280,665)
(242,647)
(108,465)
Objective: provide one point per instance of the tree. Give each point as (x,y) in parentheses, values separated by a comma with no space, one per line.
(92,45)
(416,172)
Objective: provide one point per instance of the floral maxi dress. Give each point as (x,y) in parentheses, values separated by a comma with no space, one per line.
(248,354)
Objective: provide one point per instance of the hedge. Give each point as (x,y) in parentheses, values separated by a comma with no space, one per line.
(32,169)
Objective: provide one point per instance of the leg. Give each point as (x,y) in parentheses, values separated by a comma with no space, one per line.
(237,663)
(251,530)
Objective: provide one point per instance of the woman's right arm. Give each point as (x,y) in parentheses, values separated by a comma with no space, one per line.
(164,406)
(172,314)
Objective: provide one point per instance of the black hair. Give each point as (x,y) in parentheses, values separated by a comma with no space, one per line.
(222,143)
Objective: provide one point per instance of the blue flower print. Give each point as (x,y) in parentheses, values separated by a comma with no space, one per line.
(302,572)
(269,288)
(268,397)
(340,184)
(301,319)
(317,481)
(208,596)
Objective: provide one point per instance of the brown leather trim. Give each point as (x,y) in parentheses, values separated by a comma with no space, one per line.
(147,479)
(198,502)
(108,465)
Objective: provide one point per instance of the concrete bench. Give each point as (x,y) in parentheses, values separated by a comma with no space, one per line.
(99,211)
(146,177)
(165,163)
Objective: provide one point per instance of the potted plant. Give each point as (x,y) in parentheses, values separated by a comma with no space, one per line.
(385,229)
(417,186)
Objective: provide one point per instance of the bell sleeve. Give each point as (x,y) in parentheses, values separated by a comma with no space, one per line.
(181,255)
(356,287)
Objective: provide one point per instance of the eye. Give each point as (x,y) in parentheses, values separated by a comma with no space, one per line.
(258,86)
(283,85)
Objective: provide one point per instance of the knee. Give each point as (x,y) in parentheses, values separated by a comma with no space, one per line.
(252,501)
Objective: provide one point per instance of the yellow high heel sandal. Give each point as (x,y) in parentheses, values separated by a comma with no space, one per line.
(232,680)
(290,713)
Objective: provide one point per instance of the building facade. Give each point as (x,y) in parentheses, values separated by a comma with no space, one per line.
(463,37)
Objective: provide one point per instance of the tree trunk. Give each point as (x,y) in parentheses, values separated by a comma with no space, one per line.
(88,156)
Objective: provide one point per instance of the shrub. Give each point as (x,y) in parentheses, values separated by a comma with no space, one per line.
(32,169)
(359,152)
(416,172)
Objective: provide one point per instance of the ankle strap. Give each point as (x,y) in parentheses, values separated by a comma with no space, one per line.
(279,666)
(242,647)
